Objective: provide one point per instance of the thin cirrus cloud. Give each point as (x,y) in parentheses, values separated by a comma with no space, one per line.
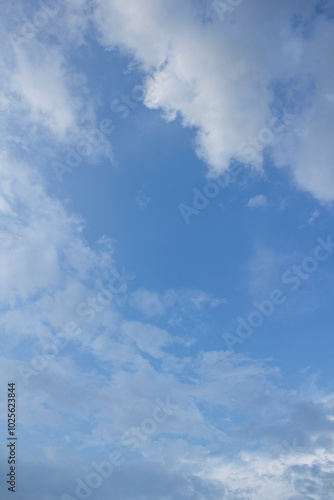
(152,304)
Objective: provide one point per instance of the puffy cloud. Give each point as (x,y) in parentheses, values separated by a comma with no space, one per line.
(227,78)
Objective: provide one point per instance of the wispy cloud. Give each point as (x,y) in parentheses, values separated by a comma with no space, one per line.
(315,214)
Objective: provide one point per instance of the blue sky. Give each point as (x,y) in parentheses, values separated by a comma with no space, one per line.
(167,259)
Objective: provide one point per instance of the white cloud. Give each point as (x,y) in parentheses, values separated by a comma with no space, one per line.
(221,78)
(43,95)
(149,303)
(40,82)
(259,201)
(153,304)
(46,267)
(43,91)
(314,216)
(148,338)
(233,411)
(29,258)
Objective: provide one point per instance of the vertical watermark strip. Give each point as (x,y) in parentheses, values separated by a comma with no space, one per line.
(12,438)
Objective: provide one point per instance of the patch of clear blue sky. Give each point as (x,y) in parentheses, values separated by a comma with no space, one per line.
(214,252)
